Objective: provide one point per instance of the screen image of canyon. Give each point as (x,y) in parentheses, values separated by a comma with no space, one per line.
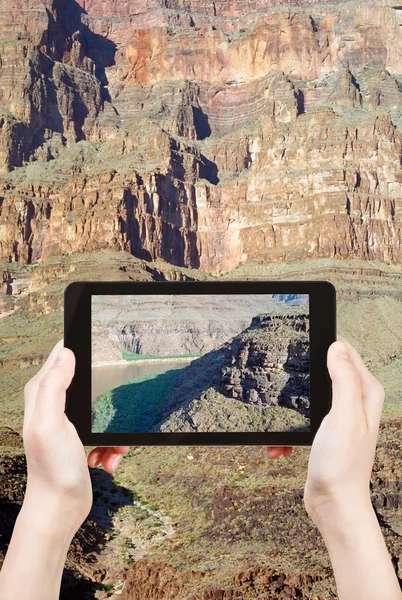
(200,140)
(200,363)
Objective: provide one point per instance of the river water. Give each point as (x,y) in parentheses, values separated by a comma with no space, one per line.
(108,377)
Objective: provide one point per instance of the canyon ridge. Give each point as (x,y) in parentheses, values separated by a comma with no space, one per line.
(174,140)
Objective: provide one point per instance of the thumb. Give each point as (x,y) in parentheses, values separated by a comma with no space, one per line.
(51,394)
(346,383)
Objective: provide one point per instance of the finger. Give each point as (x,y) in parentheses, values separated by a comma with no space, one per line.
(49,362)
(111,459)
(274,452)
(346,384)
(121,449)
(94,458)
(277,451)
(51,395)
(356,358)
(31,387)
(372,389)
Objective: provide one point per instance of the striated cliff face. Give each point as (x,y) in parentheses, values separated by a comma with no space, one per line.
(274,349)
(170,325)
(49,92)
(209,134)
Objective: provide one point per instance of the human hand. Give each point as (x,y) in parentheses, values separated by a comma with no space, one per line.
(343,450)
(58,495)
(58,476)
(337,490)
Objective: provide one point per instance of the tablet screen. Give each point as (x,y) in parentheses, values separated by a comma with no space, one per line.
(200,363)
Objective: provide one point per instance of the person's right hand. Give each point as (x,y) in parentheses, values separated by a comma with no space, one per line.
(343,449)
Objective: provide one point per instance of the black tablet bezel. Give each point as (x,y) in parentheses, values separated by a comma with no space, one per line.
(77,337)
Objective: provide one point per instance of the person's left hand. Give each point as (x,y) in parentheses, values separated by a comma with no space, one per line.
(58,474)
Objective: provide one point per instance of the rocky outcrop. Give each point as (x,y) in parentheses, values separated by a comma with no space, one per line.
(251,374)
(49,92)
(258,381)
(154,580)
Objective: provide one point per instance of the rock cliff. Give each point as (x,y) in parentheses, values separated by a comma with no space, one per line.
(209,134)
(258,381)
(170,325)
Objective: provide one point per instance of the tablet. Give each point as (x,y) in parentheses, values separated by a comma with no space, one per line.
(194,363)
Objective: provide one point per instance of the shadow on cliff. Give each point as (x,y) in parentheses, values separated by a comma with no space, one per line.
(81,577)
(166,227)
(69,33)
(69,28)
(201,123)
(207,168)
(298,384)
(69,40)
(144,405)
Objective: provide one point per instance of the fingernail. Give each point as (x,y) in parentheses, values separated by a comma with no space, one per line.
(116,461)
(61,357)
(341,350)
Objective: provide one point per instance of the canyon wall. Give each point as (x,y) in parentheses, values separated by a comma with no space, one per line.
(209,134)
(171,325)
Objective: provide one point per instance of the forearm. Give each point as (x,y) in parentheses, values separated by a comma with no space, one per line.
(362,566)
(35,558)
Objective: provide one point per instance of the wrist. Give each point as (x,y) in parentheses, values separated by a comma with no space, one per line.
(340,519)
(37,551)
(50,515)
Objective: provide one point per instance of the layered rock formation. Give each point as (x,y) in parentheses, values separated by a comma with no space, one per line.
(258,381)
(171,325)
(252,372)
(210,134)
